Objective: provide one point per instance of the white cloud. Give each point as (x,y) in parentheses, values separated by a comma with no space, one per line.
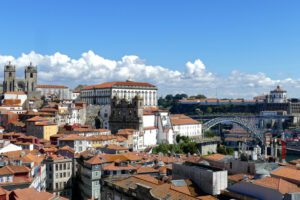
(91,68)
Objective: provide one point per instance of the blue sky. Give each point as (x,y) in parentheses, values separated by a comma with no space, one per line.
(249,36)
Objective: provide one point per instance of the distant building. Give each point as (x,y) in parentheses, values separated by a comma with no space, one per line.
(186,126)
(102,94)
(54,91)
(278,95)
(154,125)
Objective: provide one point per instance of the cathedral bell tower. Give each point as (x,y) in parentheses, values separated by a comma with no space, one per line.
(30,78)
(9,78)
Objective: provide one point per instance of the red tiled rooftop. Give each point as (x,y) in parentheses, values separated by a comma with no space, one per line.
(278,184)
(114,84)
(52,86)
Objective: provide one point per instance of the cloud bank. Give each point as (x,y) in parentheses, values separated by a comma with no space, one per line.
(195,78)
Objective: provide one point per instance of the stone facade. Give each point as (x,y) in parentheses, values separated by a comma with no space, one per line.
(12,84)
(126,115)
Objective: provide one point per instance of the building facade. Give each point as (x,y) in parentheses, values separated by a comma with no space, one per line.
(59,175)
(54,91)
(102,94)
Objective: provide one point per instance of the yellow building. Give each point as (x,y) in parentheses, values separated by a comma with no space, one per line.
(41,127)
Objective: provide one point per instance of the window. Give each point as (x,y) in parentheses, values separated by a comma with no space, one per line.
(230,165)
(31,75)
(56,167)
(56,186)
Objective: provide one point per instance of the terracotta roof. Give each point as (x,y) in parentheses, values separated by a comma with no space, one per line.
(144,170)
(45,123)
(95,160)
(278,184)
(150,128)
(52,86)
(2,191)
(11,102)
(126,131)
(129,156)
(215,157)
(159,190)
(116,84)
(49,109)
(150,110)
(36,119)
(295,162)
(239,177)
(13,169)
(67,148)
(31,193)
(6,171)
(113,167)
(116,147)
(16,92)
(121,139)
(181,119)
(287,173)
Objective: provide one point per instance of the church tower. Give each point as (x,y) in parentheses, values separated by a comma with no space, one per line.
(30,78)
(9,78)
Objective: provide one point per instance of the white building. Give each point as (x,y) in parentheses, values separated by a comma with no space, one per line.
(14,101)
(186,126)
(210,180)
(102,94)
(278,95)
(16,95)
(59,91)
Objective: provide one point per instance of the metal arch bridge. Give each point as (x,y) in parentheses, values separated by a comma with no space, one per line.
(248,123)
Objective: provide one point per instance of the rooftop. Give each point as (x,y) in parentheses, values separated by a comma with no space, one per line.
(118,84)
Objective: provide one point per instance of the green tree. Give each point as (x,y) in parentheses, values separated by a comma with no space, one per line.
(208,110)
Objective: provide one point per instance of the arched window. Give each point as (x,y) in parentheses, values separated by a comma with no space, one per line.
(10,74)
(31,75)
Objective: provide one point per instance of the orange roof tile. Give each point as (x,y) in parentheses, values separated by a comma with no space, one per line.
(95,160)
(181,119)
(16,92)
(144,170)
(287,173)
(52,86)
(116,84)
(278,184)
(215,157)
(36,119)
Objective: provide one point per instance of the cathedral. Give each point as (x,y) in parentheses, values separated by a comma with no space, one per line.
(12,84)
